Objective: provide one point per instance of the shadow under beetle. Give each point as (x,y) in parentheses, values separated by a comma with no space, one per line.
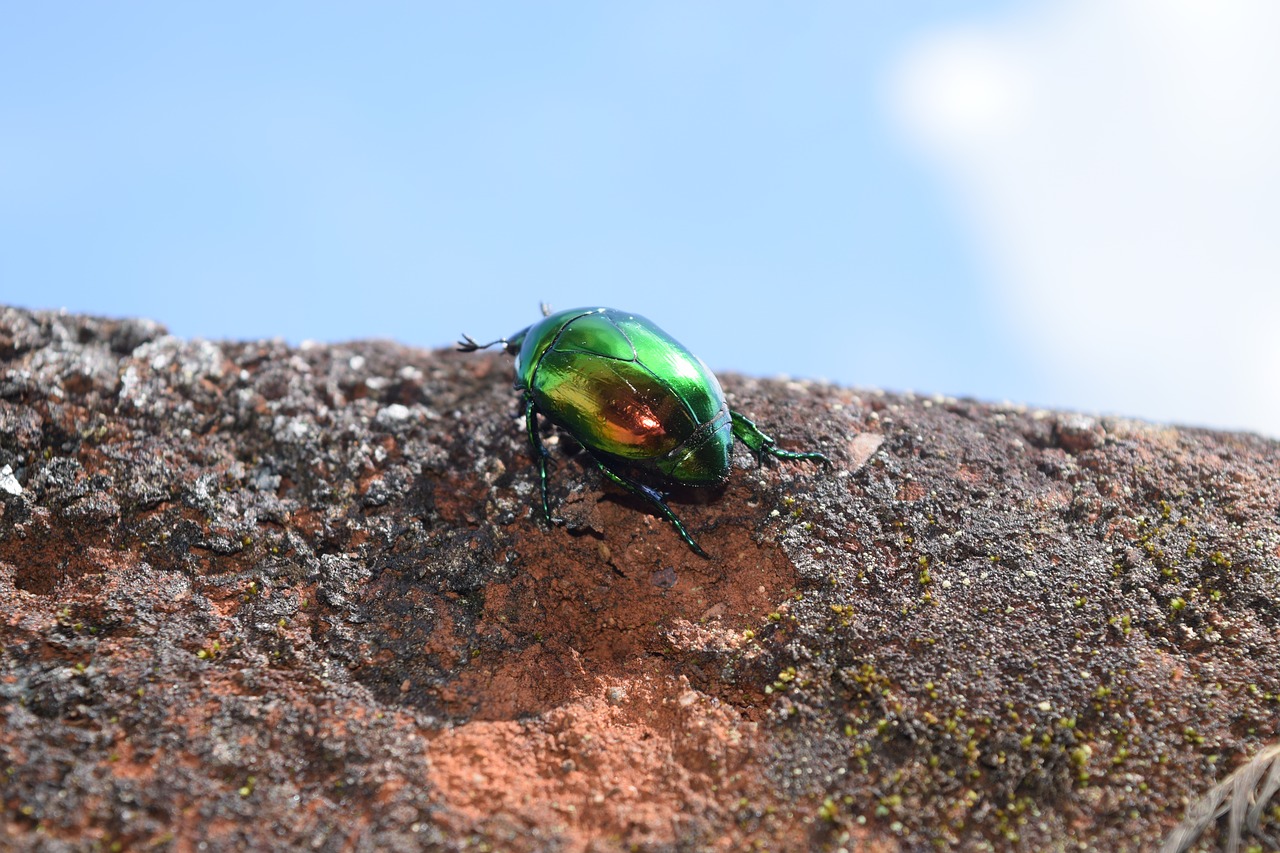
(633,397)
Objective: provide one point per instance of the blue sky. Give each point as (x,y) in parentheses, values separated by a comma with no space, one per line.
(786,189)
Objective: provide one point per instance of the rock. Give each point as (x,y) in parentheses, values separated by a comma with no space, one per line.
(271,598)
(8,482)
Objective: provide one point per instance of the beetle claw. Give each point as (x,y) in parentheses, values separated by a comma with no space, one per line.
(470,344)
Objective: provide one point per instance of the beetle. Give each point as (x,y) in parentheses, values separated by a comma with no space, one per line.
(635,398)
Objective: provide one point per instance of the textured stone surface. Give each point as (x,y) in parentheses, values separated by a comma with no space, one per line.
(277,598)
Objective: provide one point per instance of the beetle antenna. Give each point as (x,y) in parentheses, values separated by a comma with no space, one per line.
(468,344)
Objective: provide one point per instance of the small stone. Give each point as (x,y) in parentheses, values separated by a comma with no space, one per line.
(664,578)
(1077,433)
(396,413)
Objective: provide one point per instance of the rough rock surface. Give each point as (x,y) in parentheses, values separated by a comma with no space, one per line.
(282,598)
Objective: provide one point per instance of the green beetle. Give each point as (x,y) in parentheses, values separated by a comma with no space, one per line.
(633,397)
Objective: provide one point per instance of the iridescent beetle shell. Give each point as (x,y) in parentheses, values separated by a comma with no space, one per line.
(622,386)
(634,397)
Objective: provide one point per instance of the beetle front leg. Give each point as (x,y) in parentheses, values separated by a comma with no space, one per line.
(655,498)
(750,435)
(531,426)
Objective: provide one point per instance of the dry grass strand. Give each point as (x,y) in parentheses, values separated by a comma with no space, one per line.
(1239,798)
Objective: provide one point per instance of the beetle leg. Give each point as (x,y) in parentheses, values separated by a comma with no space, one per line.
(511,344)
(655,498)
(760,443)
(531,425)
(470,344)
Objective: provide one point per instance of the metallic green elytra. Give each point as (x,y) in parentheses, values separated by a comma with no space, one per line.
(633,397)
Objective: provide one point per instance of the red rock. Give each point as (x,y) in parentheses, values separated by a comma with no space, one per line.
(275,598)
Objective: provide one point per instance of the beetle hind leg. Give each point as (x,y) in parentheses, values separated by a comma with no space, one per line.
(655,498)
(531,426)
(511,345)
(759,442)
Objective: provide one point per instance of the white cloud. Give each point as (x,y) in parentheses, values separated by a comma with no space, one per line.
(1119,162)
